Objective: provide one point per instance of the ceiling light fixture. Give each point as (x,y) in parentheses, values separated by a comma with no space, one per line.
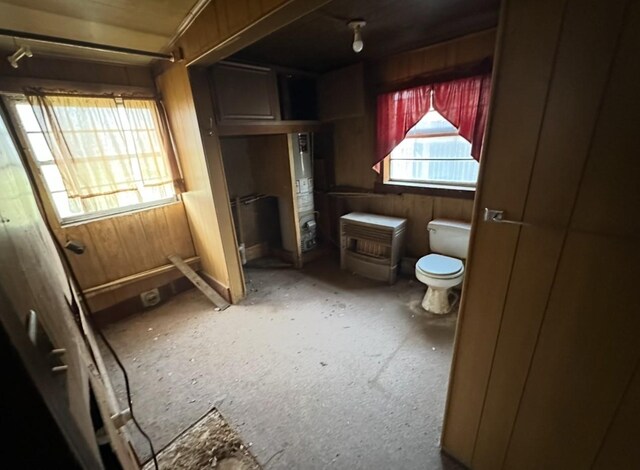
(356,26)
(19,54)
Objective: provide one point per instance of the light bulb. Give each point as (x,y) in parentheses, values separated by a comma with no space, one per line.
(357,41)
(356,26)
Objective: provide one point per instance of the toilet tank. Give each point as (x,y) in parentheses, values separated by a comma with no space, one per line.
(449,237)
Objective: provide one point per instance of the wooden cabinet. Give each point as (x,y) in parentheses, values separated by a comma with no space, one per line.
(245,93)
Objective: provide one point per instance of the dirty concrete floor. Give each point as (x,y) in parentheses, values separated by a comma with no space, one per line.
(315,369)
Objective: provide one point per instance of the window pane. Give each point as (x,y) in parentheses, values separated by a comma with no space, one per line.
(452,172)
(432,122)
(65,207)
(52,177)
(433,147)
(39,147)
(27,118)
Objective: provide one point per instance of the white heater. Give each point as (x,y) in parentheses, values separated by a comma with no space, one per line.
(372,245)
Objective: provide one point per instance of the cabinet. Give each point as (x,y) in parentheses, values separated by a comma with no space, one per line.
(245,93)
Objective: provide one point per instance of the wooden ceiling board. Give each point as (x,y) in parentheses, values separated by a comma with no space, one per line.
(158,17)
(321,41)
(146,25)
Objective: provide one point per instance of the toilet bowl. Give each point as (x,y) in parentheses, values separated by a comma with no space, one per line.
(439,273)
(443,268)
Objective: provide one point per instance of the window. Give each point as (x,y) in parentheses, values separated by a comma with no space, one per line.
(97,156)
(433,154)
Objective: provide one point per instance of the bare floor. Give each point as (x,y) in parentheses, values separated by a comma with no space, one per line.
(315,369)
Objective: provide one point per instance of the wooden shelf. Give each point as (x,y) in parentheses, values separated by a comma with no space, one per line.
(269,127)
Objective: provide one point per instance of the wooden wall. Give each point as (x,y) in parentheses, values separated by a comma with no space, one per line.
(545,371)
(237,166)
(206,199)
(269,168)
(215,33)
(126,245)
(92,76)
(354,135)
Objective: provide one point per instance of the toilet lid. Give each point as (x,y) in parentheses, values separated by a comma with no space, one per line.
(439,265)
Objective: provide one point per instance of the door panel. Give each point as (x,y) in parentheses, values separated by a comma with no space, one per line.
(542,369)
(520,86)
(32,278)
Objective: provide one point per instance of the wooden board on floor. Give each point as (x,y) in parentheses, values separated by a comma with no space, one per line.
(205,288)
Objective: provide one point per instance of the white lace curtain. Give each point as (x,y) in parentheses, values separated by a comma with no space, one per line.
(103,148)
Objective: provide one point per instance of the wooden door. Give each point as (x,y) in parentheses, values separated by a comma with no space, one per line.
(35,303)
(546,356)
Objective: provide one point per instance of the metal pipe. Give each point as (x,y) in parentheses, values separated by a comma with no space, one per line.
(83,44)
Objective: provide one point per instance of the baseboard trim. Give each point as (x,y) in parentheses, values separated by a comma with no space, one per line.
(223,290)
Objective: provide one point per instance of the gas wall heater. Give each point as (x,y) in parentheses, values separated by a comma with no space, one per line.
(372,245)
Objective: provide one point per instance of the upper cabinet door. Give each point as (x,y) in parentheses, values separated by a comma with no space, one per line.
(245,92)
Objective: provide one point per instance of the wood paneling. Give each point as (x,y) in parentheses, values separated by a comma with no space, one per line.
(546,353)
(96,77)
(341,93)
(443,56)
(127,244)
(201,201)
(204,104)
(215,33)
(237,166)
(272,168)
(354,137)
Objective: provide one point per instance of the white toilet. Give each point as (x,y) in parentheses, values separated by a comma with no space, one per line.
(443,269)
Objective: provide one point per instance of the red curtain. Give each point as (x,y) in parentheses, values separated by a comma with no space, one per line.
(398,112)
(464,103)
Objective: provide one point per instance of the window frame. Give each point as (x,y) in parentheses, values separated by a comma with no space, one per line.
(11,100)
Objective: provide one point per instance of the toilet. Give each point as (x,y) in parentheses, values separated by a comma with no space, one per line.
(443,268)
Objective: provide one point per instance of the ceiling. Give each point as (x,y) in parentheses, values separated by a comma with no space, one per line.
(321,41)
(147,25)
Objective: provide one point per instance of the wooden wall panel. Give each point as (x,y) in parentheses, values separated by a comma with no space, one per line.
(237,166)
(555,392)
(38,71)
(226,26)
(341,93)
(571,112)
(219,21)
(127,244)
(200,199)
(431,59)
(620,446)
(520,87)
(214,170)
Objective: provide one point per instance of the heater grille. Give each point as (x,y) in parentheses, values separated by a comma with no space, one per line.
(372,245)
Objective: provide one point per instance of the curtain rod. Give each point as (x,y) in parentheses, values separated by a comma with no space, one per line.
(83,44)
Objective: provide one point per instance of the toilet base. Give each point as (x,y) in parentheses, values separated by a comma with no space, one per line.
(436,301)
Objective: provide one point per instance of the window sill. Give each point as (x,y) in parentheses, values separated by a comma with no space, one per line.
(89,218)
(396,187)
